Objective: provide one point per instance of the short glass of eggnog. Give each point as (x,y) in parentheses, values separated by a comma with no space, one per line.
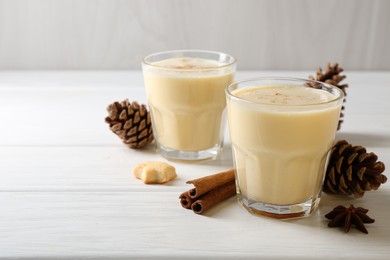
(186,96)
(282,130)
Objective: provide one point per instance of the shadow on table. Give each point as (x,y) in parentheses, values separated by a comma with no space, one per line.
(375,201)
(225,159)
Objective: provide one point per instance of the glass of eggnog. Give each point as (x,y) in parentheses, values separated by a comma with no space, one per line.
(186,96)
(281,130)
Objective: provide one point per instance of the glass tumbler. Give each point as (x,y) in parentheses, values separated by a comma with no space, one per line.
(185,92)
(282,130)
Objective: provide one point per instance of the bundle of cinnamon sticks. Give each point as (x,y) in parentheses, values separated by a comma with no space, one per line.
(208,191)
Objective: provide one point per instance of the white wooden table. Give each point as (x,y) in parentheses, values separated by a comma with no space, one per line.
(67,190)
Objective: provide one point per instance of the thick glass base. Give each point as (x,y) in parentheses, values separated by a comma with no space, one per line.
(209,154)
(299,210)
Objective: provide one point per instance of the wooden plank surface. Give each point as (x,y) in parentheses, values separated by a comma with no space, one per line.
(67,190)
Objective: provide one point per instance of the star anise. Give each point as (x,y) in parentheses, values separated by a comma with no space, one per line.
(342,216)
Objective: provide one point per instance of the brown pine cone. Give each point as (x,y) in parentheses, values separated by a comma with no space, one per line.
(352,171)
(131,122)
(331,76)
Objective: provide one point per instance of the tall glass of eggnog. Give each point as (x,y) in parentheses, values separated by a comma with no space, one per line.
(281,130)
(186,96)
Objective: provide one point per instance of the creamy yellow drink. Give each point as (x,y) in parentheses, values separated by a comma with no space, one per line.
(187,101)
(281,136)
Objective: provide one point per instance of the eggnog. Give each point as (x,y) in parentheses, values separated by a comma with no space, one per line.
(187,102)
(281,136)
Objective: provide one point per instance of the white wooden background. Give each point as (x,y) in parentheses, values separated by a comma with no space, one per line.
(262,34)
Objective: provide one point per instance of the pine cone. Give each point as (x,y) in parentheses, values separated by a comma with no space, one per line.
(332,77)
(352,170)
(131,122)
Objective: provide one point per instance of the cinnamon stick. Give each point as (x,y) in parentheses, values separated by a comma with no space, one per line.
(206,184)
(208,191)
(213,197)
(185,200)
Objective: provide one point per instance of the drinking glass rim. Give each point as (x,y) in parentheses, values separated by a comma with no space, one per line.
(327,87)
(233,62)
